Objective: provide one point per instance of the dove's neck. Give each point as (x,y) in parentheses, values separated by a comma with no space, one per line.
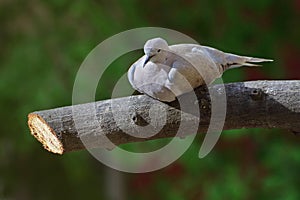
(159,58)
(167,57)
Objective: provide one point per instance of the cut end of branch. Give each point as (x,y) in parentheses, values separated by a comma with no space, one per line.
(44,134)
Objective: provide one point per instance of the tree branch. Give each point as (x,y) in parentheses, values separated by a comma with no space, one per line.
(264,104)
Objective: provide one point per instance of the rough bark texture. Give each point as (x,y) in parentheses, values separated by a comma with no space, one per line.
(264,104)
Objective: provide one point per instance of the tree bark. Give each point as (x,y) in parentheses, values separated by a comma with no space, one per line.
(263,104)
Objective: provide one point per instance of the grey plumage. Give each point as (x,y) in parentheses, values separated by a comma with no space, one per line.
(165,72)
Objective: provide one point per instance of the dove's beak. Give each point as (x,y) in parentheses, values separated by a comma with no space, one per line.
(147,59)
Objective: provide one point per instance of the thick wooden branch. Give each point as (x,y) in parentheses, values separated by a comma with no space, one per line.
(264,104)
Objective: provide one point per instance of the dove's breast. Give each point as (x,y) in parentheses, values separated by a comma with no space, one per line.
(150,79)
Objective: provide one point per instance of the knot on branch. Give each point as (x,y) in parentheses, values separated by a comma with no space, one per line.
(139,120)
(256,94)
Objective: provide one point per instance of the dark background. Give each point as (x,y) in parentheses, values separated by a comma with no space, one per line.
(42,44)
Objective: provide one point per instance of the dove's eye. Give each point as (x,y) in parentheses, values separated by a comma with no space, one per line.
(158,50)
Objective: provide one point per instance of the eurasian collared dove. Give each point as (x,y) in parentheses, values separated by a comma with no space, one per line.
(165,72)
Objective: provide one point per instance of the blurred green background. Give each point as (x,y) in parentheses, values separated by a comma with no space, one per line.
(42,44)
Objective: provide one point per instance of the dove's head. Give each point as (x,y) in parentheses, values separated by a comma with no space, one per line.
(156,49)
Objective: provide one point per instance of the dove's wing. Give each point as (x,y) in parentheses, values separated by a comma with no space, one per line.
(177,82)
(194,64)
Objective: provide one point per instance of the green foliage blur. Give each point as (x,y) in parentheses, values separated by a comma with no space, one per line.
(42,44)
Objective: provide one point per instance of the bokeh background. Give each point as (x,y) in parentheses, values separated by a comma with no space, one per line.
(42,44)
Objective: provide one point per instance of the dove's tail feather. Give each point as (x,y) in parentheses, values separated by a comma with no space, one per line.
(233,61)
(257,60)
